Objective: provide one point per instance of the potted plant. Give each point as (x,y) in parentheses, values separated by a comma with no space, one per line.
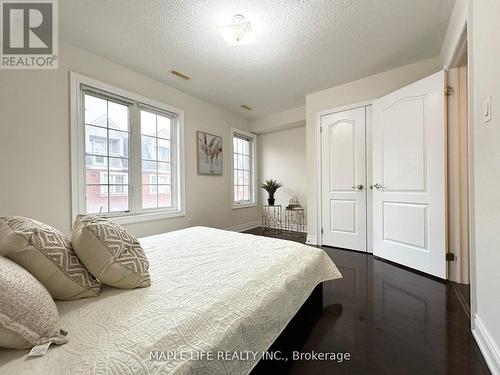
(271,186)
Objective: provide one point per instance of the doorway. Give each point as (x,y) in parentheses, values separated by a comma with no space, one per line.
(407,152)
(344,178)
(458,173)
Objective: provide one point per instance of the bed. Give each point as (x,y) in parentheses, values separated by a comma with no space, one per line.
(218,300)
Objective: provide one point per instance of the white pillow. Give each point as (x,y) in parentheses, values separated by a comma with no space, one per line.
(110,253)
(28,314)
(47,254)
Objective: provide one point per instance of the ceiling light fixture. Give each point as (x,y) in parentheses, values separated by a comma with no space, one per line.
(238,33)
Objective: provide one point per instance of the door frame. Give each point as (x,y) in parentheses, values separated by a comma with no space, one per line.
(463,40)
(319,192)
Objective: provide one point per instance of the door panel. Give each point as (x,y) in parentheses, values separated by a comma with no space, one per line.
(405,223)
(408,135)
(342,160)
(344,179)
(403,145)
(343,215)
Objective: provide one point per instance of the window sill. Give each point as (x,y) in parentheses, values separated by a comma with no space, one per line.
(145,217)
(243,205)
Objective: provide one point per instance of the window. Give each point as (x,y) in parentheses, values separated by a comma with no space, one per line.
(156,160)
(105,123)
(243,165)
(97,146)
(115,147)
(131,149)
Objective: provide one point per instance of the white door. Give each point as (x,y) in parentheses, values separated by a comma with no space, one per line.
(408,135)
(344,179)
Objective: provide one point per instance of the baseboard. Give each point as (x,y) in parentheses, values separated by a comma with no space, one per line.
(244,227)
(487,345)
(311,240)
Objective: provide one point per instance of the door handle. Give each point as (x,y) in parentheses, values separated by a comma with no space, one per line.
(378,186)
(358,187)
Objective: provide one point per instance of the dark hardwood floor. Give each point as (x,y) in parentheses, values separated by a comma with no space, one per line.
(463,293)
(390,320)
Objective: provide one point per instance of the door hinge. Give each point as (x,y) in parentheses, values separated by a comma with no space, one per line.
(321,129)
(321,230)
(450,257)
(448,91)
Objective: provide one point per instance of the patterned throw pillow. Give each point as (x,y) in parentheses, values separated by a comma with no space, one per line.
(28,314)
(47,254)
(110,253)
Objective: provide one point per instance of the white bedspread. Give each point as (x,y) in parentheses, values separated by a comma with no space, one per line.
(212,291)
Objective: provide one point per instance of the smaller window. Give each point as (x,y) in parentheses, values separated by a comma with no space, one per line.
(97,144)
(114,147)
(243,176)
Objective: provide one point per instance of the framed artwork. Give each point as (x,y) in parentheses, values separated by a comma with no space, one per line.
(209,154)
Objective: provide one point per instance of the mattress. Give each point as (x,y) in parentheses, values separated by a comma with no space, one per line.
(218,300)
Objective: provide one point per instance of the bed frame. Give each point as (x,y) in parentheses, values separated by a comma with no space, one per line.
(294,335)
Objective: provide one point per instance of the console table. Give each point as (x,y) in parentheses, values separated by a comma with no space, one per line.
(294,222)
(271,218)
(289,223)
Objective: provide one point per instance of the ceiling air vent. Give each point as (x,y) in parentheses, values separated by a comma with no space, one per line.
(180,75)
(244,106)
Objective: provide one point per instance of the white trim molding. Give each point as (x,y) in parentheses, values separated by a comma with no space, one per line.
(137,214)
(244,227)
(487,345)
(311,240)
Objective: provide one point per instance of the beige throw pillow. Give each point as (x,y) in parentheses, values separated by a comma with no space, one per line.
(28,314)
(110,253)
(47,254)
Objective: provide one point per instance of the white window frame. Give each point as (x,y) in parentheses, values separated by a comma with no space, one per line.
(253,174)
(78,192)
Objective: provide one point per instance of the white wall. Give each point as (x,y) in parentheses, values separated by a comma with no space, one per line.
(361,90)
(456,25)
(291,118)
(282,156)
(35,151)
(484,77)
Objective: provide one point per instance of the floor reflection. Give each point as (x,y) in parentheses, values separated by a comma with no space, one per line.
(392,321)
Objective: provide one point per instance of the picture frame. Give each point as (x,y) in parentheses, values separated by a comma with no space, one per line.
(209,154)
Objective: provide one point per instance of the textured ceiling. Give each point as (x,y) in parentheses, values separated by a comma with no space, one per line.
(302,46)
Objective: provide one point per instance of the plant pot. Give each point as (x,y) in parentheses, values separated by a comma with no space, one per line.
(270,201)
